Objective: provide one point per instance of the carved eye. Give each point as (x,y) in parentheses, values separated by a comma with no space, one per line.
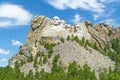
(56,19)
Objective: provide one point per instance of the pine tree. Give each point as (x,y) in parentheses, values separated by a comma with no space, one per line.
(62,40)
(30,58)
(44,59)
(68,38)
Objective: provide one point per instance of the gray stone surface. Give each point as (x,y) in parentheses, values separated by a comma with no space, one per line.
(72,51)
(44,28)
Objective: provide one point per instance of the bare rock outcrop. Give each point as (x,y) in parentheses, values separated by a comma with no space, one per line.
(102,34)
(52,30)
(118,32)
(72,51)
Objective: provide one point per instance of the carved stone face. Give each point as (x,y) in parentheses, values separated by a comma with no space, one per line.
(62,22)
(77,28)
(56,20)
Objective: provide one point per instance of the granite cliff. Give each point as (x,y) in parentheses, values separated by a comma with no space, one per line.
(44,30)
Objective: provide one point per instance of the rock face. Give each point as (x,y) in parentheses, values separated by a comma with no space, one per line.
(118,31)
(54,29)
(51,30)
(102,34)
(74,52)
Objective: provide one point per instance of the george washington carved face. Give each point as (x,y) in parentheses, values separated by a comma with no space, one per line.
(56,20)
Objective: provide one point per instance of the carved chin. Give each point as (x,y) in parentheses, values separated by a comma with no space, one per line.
(55,23)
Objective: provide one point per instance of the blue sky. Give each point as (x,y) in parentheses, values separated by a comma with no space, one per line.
(16,15)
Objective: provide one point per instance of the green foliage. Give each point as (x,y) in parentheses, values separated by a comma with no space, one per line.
(30,76)
(88,74)
(116,45)
(95,46)
(73,69)
(35,62)
(55,59)
(75,72)
(20,47)
(40,61)
(8,73)
(31,58)
(62,39)
(76,39)
(44,59)
(54,63)
(50,50)
(111,75)
(40,54)
(48,46)
(49,55)
(81,42)
(41,58)
(17,65)
(68,38)
(110,32)
(58,43)
(22,63)
(104,75)
(43,75)
(114,55)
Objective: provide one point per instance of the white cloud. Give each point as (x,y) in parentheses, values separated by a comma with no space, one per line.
(111,22)
(16,43)
(91,5)
(106,14)
(3,51)
(3,60)
(108,1)
(77,18)
(97,8)
(96,16)
(13,15)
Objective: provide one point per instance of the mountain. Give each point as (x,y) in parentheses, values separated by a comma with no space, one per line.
(84,43)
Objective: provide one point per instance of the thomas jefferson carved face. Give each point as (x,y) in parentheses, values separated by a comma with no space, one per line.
(62,22)
(56,20)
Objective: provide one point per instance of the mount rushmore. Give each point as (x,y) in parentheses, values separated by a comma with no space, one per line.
(52,30)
